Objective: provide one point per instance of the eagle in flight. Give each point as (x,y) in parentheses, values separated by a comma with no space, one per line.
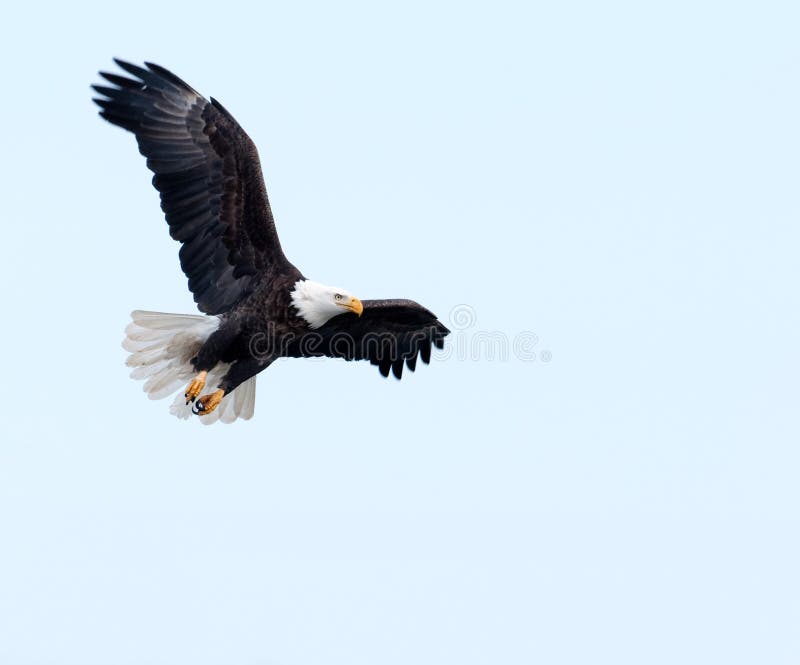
(257,306)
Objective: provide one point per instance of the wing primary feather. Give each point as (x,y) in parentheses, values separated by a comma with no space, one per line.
(148,77)
(397,368)
(121,81)
(425,352)
(109,92)
(172,78)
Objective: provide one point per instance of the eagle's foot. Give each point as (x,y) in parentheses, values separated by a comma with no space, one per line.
(197,384)
(207,403)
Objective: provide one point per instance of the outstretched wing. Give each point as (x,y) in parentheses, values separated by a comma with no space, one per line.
(389,333)
(209,176)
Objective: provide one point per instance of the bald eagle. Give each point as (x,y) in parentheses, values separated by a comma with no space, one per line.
(256,306)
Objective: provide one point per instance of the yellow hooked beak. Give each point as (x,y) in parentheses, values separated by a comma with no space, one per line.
(354,306)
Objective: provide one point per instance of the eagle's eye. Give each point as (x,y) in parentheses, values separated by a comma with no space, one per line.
(338,296)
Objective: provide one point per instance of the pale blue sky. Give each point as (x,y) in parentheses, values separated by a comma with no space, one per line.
(620,179)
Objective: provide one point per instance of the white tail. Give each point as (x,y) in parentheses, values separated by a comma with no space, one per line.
(161,347)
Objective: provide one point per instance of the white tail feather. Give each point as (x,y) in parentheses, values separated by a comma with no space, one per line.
(161,347)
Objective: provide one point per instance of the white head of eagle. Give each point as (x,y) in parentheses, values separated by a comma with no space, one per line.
(318,303)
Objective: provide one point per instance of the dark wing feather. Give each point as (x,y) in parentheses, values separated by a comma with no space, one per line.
(389,333)
(209,176)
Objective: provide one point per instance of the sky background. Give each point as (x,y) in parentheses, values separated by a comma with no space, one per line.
(618,179)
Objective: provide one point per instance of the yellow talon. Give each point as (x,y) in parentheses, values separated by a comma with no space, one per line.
(197,384)
(207,403)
